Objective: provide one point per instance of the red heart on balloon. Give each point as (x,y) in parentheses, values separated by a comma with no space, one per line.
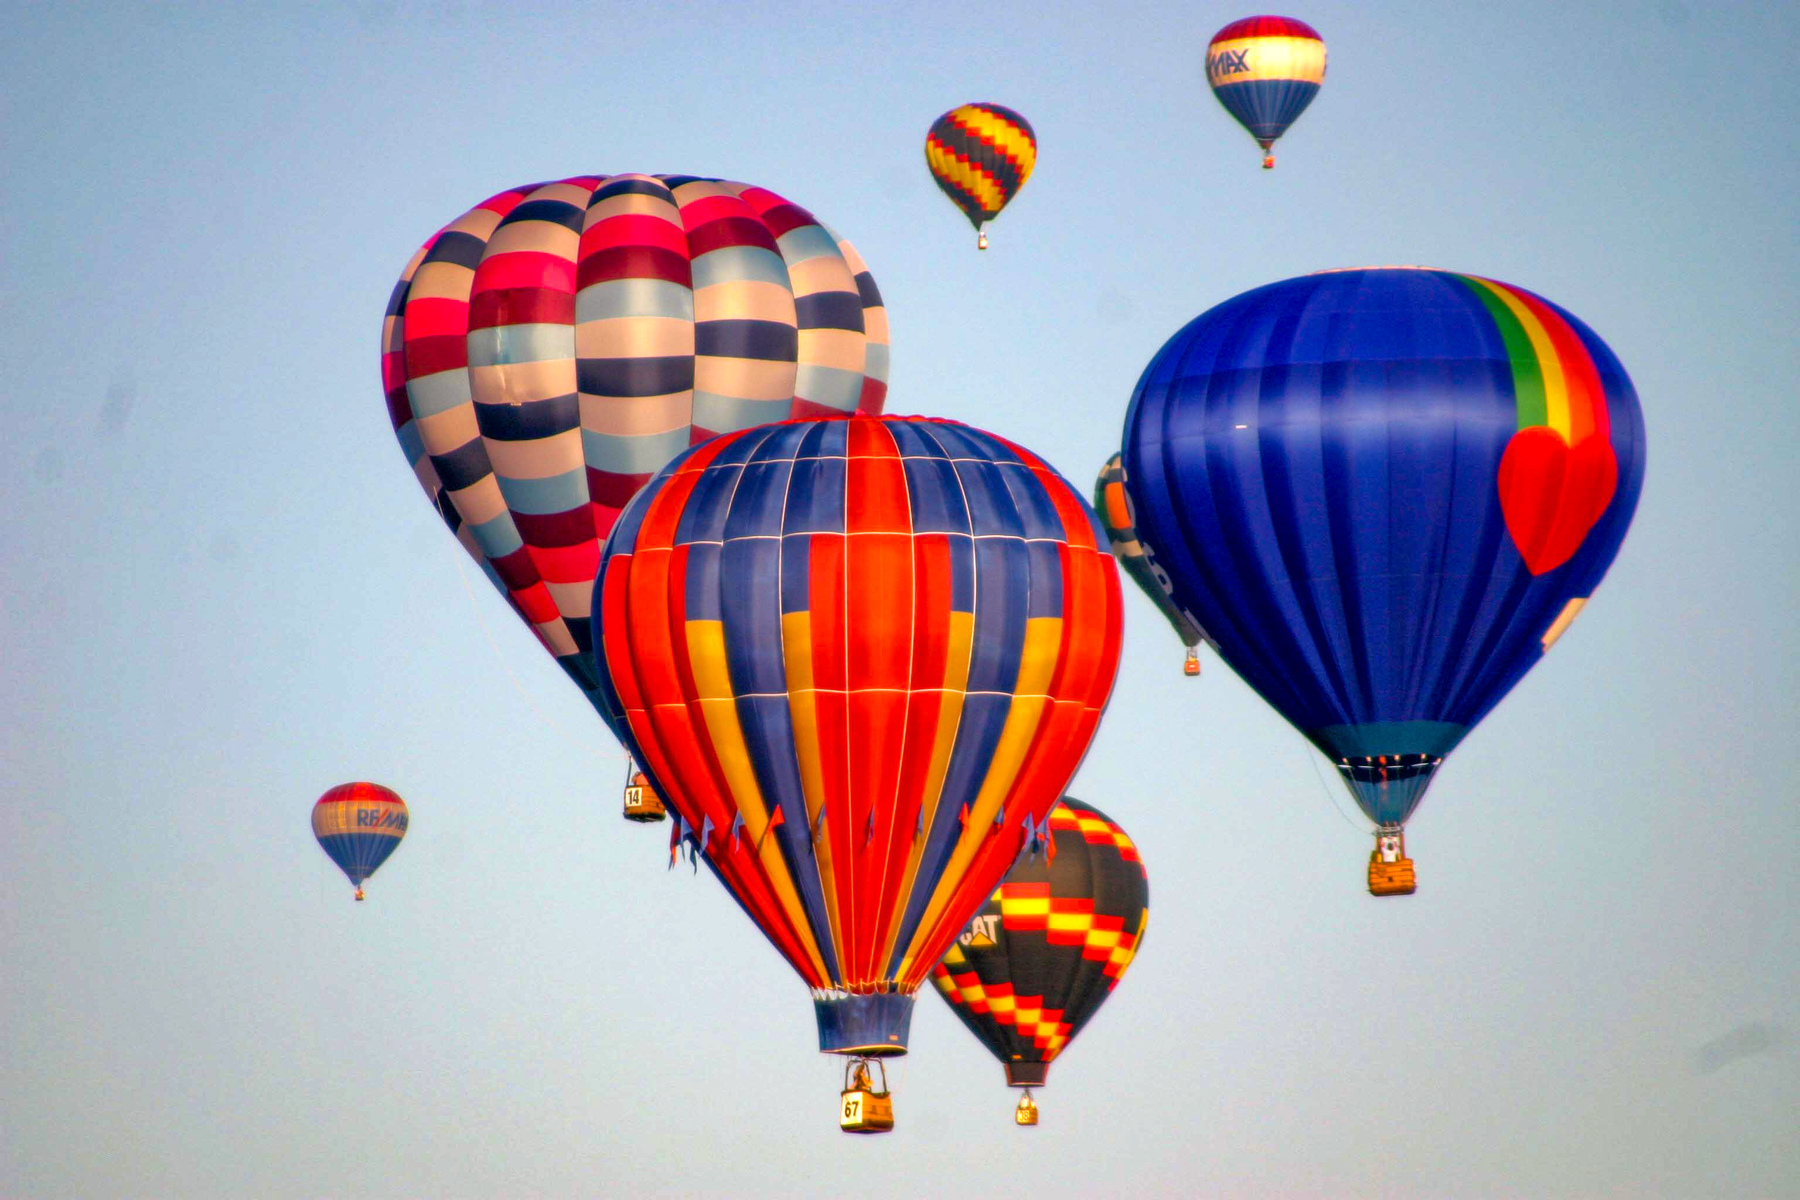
(1551,493)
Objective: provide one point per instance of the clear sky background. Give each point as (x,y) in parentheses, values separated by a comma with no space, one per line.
(224,592)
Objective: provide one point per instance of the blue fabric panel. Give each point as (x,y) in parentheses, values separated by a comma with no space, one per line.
(864,1023)
(750,606)
(1003,567)
(1045,598)
(1266,107)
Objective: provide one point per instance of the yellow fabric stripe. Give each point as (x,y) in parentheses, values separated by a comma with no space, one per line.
(1069,922)
(718,706)
(965,175)
(1037,664)
(1556,385)
(1024,906)
(1564,619)
(956,682)
(796,650)
(1270,58)
(1008,138)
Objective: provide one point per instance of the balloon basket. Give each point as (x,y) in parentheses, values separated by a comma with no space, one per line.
(981,241)
(1395,878)
(1191,667)
(641,801)
(1390,871)
(1026,1112)
(359,894)
(864,1107)
(1268,162)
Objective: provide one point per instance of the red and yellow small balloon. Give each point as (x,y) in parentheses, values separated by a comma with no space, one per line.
(981,155)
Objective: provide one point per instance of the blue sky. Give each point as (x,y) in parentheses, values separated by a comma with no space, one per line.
(223,593)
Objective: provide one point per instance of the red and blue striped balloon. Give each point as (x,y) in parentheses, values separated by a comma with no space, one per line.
(858,659)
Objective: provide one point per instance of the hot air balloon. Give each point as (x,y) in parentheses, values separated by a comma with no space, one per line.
(1385,493)
(1265,71)
(359,825)
(857,659)
(980,155)
(1114,507)
(548,351)
(1041,957)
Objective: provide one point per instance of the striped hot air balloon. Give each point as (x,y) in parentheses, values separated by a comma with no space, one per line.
(1265,71)
(549,350)
(980,155)
(359,825)
(858,659)
(1051,944)
(1385,493)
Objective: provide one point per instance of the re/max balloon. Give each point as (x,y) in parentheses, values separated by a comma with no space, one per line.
(359,825)
(1265,71)
(548,351)
(858,659)
(980,155)
(1384,493)
(1045,952)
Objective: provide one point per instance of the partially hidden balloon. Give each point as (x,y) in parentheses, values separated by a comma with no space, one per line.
(548,351)
(1384,493)
(860,660)
(1113,505)
(980,155)
(1051,944)
(359,825)
(1265,71)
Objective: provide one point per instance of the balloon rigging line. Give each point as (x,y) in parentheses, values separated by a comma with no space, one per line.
(488,633)
(1312,757)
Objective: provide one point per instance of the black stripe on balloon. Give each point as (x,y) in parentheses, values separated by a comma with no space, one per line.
(630,187)
(531,420)
(466,464)
(772,341)
(397,298)
(865,288)
(633,377)
(829,310)
(556,212)
(462,249)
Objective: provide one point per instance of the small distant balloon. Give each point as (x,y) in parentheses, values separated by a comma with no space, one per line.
(1265,71)
(359,825)
(981,155)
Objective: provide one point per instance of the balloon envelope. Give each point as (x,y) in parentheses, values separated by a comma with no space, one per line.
(980,155)
(1265,71)
(1384,493)
(359,825)
(1047,949)
(546,352)
(857,658)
